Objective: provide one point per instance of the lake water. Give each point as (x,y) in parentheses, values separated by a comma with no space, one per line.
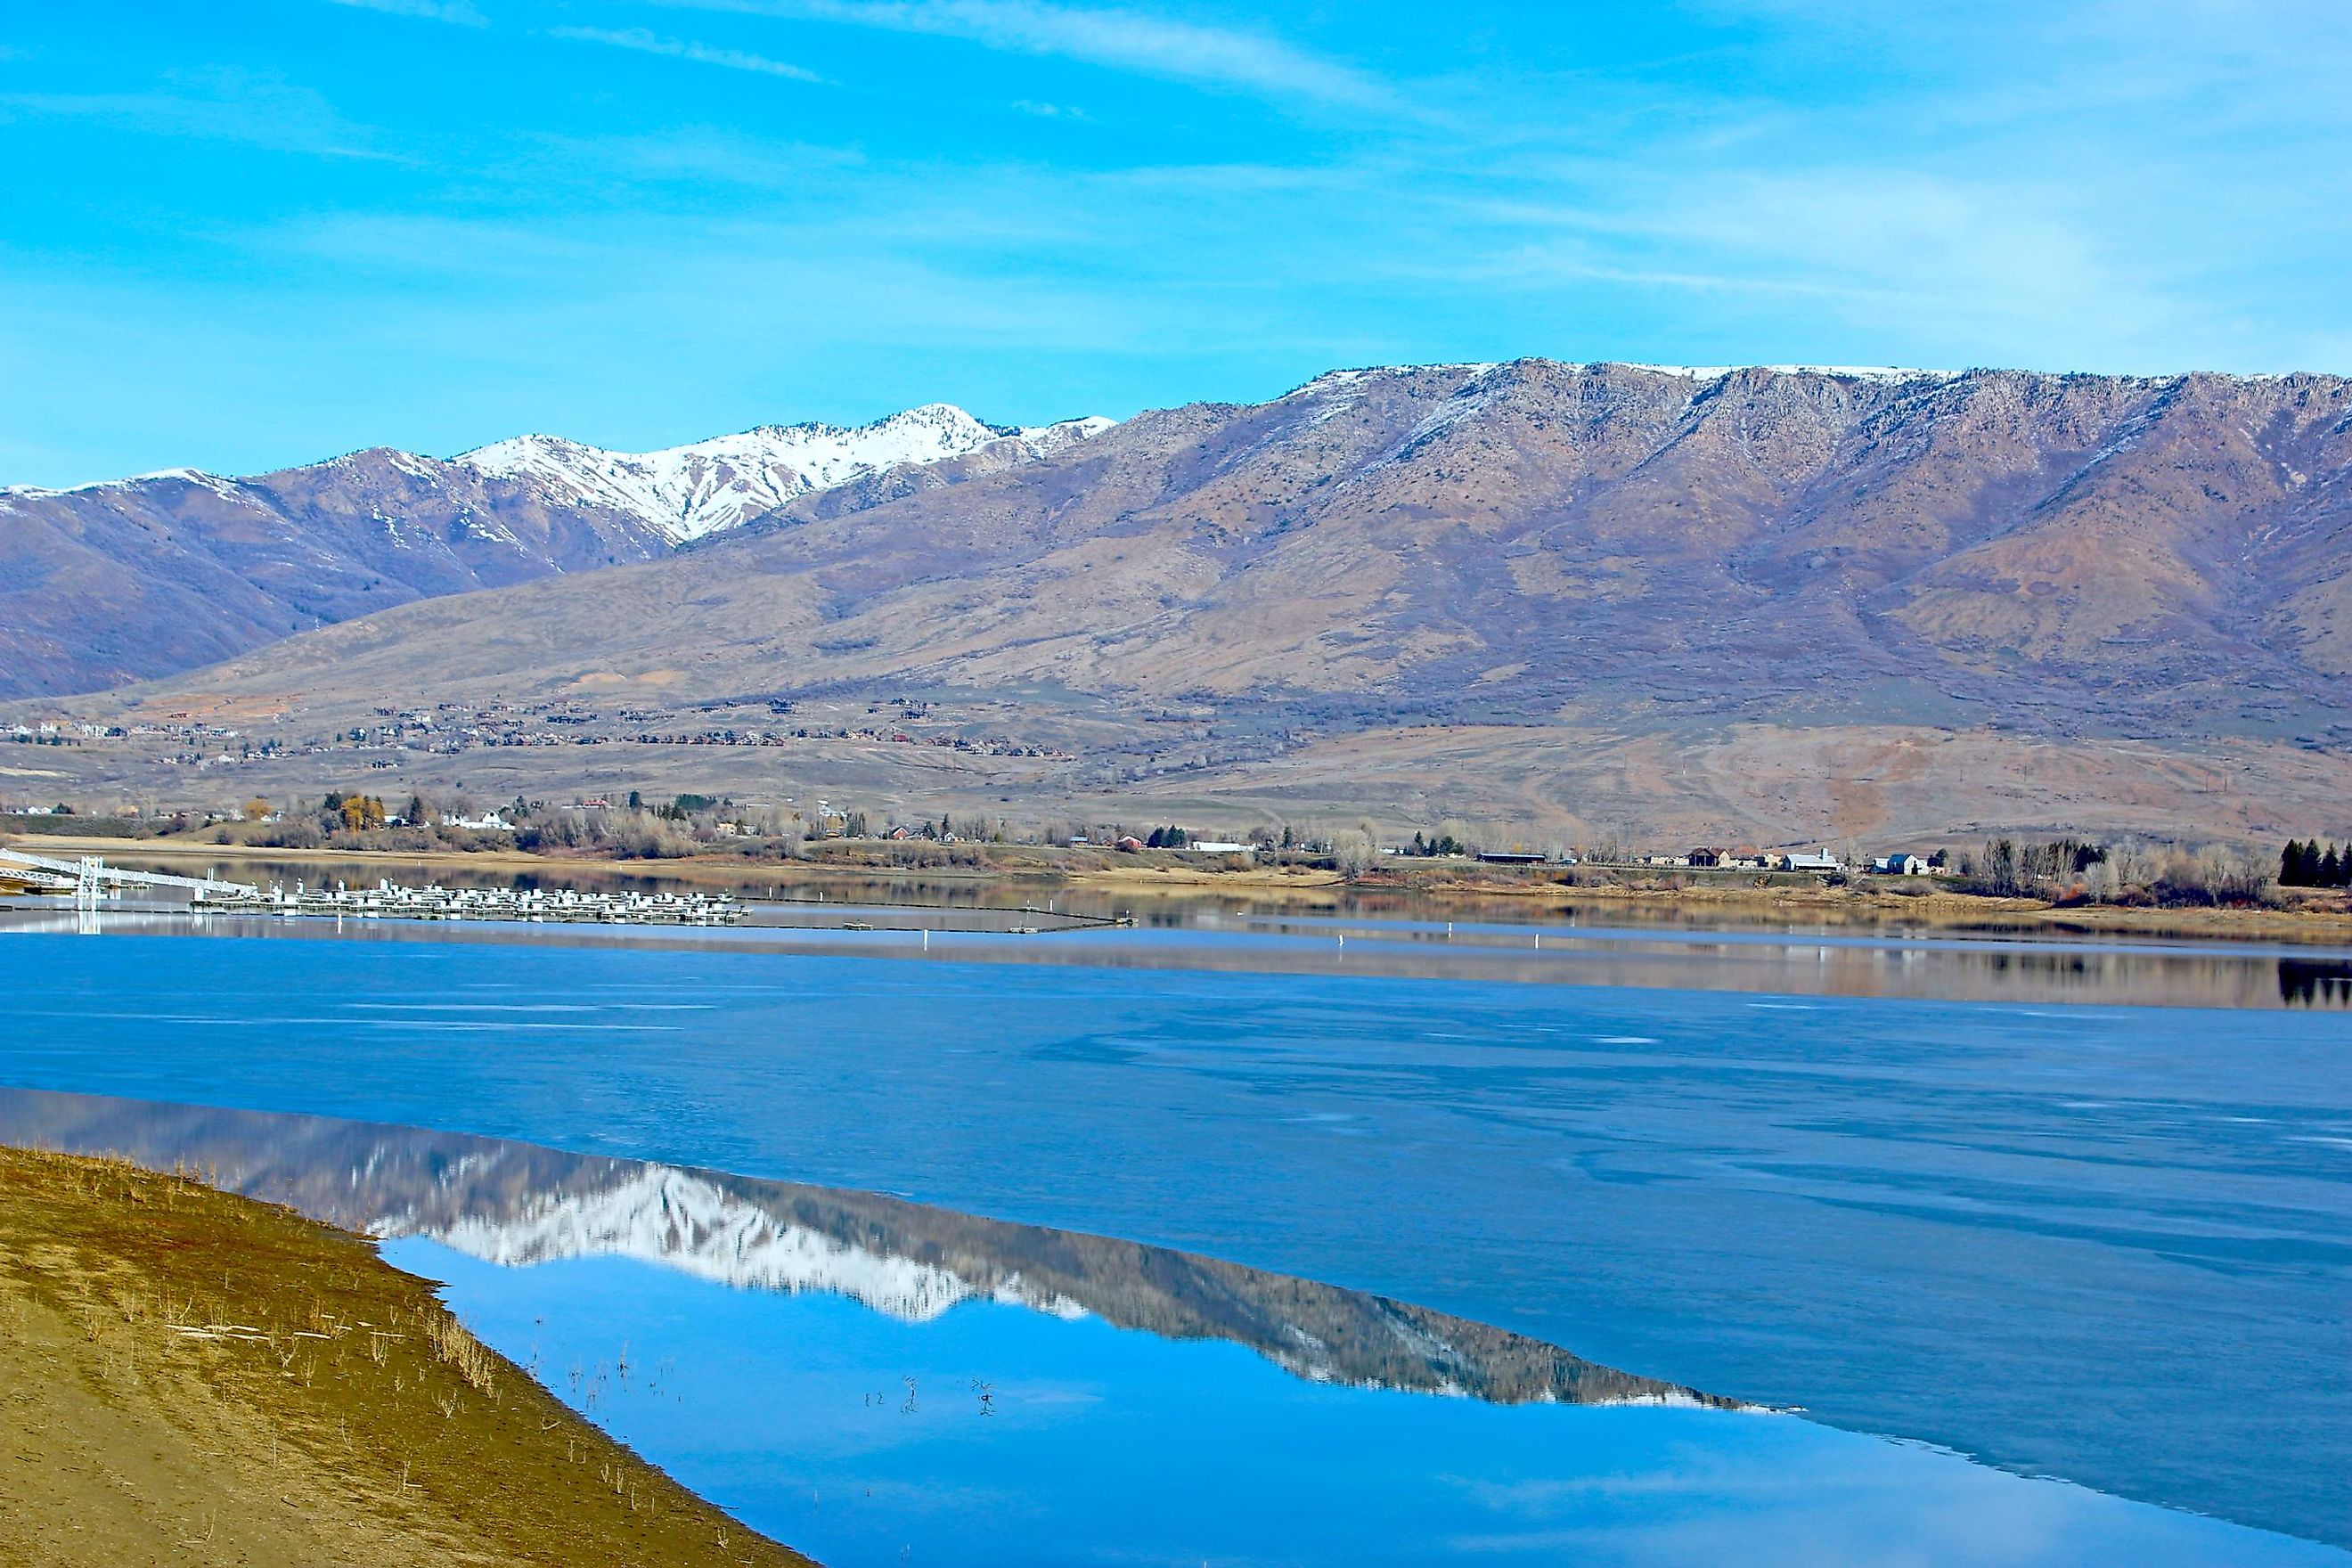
(2105,1243)
(1623,947)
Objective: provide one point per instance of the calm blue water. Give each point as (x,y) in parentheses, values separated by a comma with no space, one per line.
(878,1382)
(861,1439)
(2110,1245)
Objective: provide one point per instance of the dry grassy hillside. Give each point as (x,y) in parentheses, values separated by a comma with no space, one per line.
(190,1377)
(1711,579)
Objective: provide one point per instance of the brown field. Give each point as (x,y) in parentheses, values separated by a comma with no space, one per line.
(192,1377)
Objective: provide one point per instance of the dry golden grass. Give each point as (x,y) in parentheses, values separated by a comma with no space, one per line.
(192,1377)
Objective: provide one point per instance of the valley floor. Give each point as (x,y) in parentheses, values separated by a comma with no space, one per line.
(192,1377)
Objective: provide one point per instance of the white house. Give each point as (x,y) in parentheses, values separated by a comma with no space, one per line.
(1899,865)
(488,822)
(1800,861)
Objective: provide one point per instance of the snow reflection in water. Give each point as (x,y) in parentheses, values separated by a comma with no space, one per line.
(879,1380)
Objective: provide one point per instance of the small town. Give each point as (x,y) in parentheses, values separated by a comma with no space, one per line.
(819,832)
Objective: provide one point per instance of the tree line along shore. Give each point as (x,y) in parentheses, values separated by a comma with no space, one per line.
(1019,875)
(2063,871)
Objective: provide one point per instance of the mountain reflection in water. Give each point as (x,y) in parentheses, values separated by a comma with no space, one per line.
(519,1204)
(880,1383)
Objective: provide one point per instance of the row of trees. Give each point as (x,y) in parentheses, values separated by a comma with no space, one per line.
(2009,868)
(352,812)
(2067,871)
(2307,864)
(2063,869)
(341,816)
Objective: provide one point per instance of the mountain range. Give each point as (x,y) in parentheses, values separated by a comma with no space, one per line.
(1765,597)
(132,578)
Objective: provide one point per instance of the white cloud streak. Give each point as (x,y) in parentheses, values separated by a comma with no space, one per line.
(459,12)
(1221,57)
(646,42)
(257,109)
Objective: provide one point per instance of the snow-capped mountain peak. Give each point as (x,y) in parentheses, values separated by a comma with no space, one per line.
(704,486)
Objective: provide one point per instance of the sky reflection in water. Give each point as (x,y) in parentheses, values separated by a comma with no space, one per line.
(2110,1243)
(1118,1446)
(878,1382)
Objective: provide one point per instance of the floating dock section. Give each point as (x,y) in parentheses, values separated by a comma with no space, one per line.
(388,900)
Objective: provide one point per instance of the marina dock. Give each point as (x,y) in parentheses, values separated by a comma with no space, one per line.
(390,900)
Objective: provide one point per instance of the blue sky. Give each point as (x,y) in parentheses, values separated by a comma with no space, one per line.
(239,236)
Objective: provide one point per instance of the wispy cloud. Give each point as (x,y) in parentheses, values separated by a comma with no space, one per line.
(460,12)
(1050,111)
(646,42)
(1224,58)
(257,109)
(686,155)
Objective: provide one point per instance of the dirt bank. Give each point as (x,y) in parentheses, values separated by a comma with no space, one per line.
(192,1377)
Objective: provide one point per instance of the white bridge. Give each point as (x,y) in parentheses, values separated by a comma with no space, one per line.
(90,879)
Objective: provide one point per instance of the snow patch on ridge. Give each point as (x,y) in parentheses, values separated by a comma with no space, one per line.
(684,492)
(706,486)
(1881,372)
(1341,380)
(227,488)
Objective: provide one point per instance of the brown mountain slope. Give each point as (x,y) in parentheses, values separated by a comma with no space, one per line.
(125,581)
(1606,548)
(140,578)
(1524,539)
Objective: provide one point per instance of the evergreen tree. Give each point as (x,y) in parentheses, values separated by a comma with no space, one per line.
(2328,873)
(2291,864)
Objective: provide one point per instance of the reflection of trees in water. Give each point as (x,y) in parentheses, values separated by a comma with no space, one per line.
(2314,982)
